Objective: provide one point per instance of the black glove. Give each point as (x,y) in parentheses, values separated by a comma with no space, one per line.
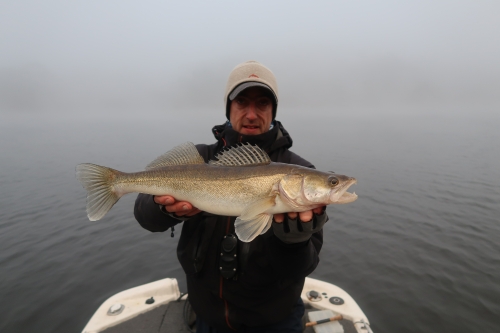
(295,231)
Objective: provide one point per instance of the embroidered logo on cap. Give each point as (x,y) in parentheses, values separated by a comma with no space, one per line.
(253,75)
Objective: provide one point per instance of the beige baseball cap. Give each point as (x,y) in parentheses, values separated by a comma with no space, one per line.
(250,74)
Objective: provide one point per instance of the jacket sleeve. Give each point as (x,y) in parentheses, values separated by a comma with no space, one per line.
(149,215)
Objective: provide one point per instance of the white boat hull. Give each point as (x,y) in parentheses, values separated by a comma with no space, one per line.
(131,303)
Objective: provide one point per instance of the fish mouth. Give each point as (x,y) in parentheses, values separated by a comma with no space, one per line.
(347,197)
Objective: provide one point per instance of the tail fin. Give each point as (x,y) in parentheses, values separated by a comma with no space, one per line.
(98,181)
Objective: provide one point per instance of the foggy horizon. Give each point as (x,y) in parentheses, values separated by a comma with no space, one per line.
(112,57)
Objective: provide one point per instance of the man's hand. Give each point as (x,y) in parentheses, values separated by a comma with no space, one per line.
(298,230)
(306,216)
(179,208)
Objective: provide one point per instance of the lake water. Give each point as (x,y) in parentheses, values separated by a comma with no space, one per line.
(419,250)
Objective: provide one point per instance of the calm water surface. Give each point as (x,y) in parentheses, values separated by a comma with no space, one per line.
(419,251)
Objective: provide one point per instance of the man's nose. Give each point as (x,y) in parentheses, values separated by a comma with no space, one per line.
(251,111)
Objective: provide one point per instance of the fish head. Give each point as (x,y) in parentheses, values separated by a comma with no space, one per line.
(339,184)
(313,188)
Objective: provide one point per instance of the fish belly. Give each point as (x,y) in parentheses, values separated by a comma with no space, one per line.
(228,204)
(222,204)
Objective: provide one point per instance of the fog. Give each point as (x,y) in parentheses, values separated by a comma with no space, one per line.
(156,57)
(402,95)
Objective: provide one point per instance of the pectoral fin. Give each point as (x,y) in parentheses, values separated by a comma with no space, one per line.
(254,220)
(258,207)
(247,230)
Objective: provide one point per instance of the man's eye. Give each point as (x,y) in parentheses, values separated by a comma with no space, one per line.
(264,102)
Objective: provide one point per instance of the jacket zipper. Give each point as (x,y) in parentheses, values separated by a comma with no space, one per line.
(221,285)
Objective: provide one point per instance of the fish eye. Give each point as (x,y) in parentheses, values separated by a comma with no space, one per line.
(334,181)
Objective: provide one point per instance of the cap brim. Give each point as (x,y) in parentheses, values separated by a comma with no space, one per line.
(236,91)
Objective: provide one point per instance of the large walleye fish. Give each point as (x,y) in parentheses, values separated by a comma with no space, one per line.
(241,182)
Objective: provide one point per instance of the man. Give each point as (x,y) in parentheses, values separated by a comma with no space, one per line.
(232,285)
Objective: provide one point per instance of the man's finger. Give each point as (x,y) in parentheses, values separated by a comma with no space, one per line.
(306,216)
(319,210)
(292,215)
(188,213)
(279,218)
(164,199)
(194,211)
(179,207)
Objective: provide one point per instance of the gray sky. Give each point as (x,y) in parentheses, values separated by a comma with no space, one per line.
(157,56)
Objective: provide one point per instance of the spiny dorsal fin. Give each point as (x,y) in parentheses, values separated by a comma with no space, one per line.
(244,155)
(183,154)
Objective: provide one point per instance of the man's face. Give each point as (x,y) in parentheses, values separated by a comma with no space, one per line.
(251,112)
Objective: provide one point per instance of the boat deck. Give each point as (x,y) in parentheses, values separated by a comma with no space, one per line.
(169,318)
(159,307)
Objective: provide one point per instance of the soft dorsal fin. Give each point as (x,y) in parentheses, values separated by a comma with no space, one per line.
(183,154)
(244,155)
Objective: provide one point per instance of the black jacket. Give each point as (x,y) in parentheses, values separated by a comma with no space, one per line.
(270,274)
